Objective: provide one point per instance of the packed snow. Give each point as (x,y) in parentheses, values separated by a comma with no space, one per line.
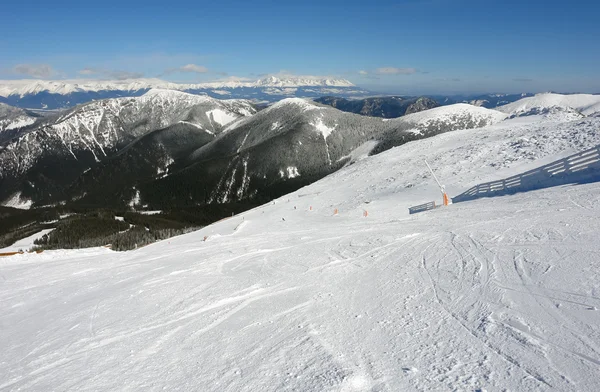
(335,287)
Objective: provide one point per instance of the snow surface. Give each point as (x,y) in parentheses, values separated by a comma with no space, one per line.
(16,201)
(587,104)
(495,294)
(221,117)
(442,113)
(25,244)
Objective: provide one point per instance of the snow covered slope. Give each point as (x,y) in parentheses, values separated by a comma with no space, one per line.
(495,294)
(587,104)
(462,115)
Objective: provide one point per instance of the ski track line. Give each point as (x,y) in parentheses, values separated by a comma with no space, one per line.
(506,358)
(248,298)
(276,316)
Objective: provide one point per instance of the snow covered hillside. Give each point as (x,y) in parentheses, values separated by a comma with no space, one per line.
(494,294)
(586,104)
(462,115)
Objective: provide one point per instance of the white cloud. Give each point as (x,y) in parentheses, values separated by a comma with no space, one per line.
(122,75)
(396,71)
(363,72)
(193,68)
(88,71)
(35,70)
(285,74)
(235,79)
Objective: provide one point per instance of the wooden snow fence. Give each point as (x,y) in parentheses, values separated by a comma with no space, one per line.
(422,208)
(582,167)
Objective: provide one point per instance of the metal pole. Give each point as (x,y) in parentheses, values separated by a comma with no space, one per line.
(433,174)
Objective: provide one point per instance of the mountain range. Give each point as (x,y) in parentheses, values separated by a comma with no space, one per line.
(43,96)
(169,148)
(50,95)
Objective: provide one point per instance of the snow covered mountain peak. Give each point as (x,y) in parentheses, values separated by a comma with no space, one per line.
(273,81)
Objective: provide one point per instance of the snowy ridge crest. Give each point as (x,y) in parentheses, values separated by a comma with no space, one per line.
(586,104)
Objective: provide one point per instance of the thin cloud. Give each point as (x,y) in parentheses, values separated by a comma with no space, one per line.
(235,79)
(363,72)
(447,80)
(193,68)
(34,70)
(87,71)
(522,80)
(395,71)
(188,68)
(122,75)
(110,74)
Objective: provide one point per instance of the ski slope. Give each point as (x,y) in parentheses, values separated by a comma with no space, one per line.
(494,294)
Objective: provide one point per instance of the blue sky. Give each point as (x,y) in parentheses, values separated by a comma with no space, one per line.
(403,46)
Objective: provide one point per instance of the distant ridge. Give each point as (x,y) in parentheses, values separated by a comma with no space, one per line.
(30,86)
(61,94)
